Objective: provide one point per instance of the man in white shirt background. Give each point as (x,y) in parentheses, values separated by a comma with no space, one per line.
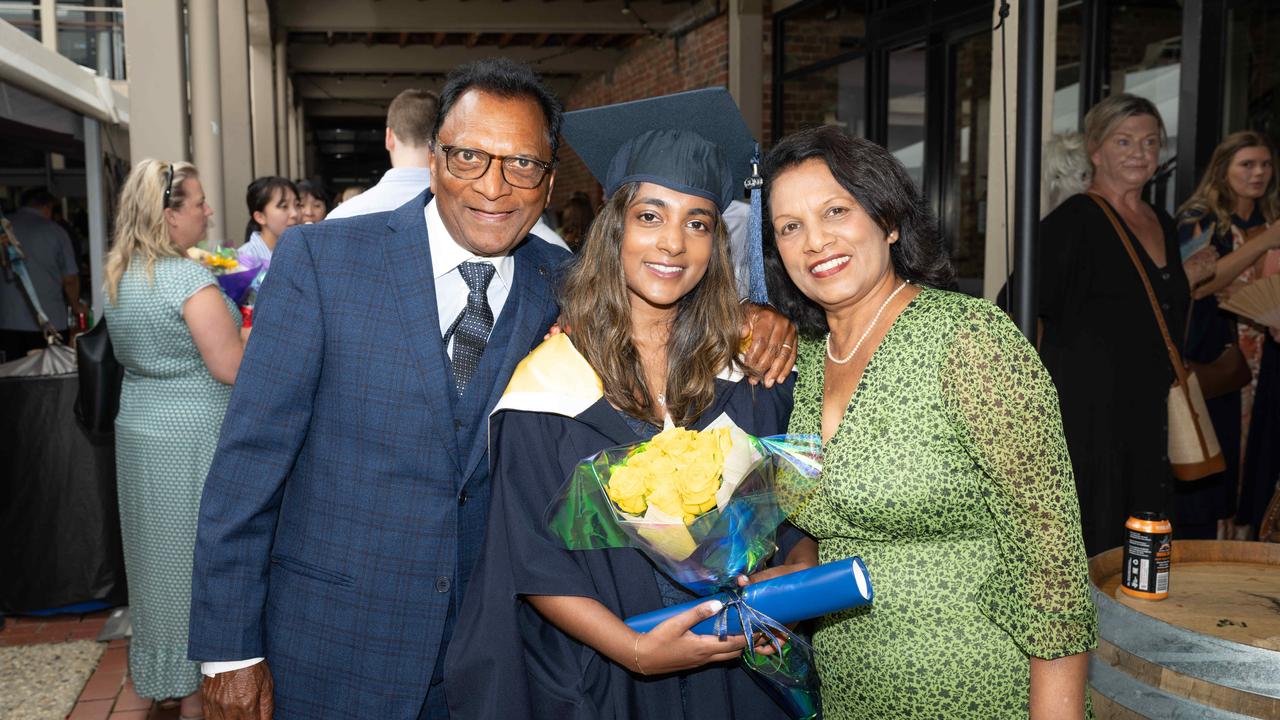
(410,118)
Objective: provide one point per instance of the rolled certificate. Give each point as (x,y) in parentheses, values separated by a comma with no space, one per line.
(802,595)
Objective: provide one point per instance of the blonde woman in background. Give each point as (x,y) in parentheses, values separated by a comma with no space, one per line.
(1229,225)
(1067,170)
(179,339)
(1100,340)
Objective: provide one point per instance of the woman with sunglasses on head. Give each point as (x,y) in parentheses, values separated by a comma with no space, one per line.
(179,339)
(654,331)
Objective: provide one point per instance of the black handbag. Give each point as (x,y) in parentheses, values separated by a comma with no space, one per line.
(101,374)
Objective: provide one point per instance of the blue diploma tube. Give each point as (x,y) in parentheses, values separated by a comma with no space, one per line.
(824,589)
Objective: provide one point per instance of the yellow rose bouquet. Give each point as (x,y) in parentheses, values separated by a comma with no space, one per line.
(705,506)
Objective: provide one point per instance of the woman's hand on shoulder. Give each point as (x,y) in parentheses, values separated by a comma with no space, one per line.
(773,338)
(672,646)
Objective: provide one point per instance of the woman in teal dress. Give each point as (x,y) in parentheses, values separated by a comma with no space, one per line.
(945,467)
(179,339)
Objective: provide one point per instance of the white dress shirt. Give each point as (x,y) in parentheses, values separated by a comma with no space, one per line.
(451,300)
(451,289)
(397,187)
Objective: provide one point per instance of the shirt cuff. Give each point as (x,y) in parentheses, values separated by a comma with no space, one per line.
(209,669)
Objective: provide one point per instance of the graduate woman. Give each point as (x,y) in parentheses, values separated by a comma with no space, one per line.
(654,323)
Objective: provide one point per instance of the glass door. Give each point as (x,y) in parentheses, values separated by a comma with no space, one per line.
(907,108)
(967,138)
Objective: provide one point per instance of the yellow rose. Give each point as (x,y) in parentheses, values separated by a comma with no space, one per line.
(667,499)
(626,488)
(697,485)
(659,469)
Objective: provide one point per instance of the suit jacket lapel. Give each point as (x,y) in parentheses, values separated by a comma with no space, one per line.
(532,302)
(408,259)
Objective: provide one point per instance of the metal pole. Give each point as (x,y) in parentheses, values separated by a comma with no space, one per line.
(1026,208)
(97,210)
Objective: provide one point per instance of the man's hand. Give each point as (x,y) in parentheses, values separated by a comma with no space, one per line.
(773,345)
(245,694)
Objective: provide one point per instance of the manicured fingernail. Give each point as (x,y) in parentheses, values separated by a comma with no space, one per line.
(715,606)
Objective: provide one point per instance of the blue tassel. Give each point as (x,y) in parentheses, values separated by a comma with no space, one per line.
(759,293)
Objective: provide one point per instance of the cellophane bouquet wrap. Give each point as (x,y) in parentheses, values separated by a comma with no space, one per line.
(705,506)
(238,278)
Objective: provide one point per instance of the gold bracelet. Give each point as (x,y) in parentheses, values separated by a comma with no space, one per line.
(636,651)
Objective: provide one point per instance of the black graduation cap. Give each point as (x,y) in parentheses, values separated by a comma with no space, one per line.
(693,142)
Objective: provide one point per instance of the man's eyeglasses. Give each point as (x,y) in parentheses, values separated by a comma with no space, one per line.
(168,185)
(518,170)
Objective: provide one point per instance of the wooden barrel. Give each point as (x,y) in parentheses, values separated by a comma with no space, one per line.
(1210,650)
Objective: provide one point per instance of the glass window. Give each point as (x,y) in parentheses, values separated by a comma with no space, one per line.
(966,201)
(1066,87)
(823,32)
(24,16)
(906,114)
(93,37)
(1251,72)
(1145,57)
(835,95)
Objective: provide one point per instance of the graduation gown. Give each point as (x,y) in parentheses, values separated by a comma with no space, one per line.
(505,660)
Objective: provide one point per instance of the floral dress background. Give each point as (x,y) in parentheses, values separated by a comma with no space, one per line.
(949,476)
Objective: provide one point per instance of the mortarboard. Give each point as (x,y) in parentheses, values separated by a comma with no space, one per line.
(692,142)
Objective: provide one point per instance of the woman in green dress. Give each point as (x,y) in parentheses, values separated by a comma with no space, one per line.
(945,467)
(179,339)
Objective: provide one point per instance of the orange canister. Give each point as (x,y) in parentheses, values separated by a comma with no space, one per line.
(1148,549)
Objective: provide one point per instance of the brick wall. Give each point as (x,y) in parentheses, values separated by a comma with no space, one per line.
(834,95)
(654,67)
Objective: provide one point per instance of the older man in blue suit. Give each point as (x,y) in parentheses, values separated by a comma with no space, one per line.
(347,500)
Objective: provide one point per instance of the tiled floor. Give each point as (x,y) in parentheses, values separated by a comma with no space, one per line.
(108,695)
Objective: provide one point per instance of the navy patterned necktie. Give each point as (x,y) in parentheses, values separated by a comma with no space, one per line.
(471,330)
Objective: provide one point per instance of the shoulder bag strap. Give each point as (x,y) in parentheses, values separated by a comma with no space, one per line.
(1174,358)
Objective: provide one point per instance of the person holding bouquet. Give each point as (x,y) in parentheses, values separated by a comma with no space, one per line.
(179,339)
(944,463)
(652,316)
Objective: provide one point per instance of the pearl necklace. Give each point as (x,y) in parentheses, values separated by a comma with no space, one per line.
(865,333)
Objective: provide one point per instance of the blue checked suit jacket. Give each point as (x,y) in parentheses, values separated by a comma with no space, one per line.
(347,501)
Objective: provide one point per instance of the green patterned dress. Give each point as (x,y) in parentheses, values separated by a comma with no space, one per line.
(170,413)
(950,477)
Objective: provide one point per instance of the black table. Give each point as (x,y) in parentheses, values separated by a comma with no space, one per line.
(59,522)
